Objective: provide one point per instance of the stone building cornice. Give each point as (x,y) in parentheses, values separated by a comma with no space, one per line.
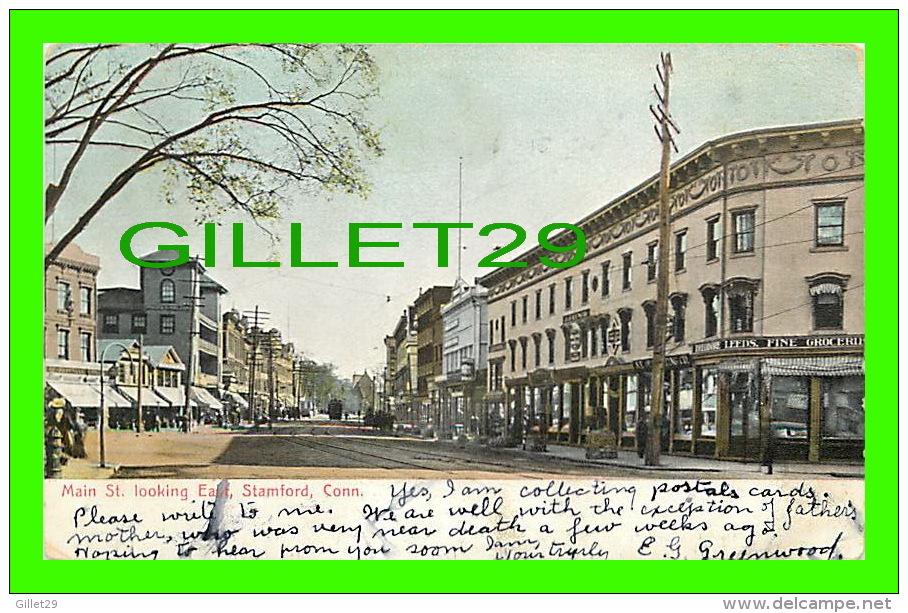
(752,160)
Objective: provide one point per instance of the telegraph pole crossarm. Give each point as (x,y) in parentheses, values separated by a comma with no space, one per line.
(664,130)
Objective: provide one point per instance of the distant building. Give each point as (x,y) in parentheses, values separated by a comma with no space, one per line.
(364,389)
(462,384)
(401,370)
(70,304)
(177,306)
(429,345)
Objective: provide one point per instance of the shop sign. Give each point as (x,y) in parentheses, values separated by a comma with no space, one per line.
(671,361)
(579,315)
(614,337)
(780,342)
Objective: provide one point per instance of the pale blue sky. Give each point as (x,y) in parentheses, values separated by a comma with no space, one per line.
(546,133)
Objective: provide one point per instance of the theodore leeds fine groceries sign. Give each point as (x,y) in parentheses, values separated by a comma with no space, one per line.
(781,342)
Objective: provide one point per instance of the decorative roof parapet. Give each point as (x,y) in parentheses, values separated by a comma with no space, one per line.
(737,162)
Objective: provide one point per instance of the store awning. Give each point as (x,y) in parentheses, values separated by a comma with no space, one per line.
(77,394)
(149,398)
(738,366)
(88,396)
(835,366)
(176,396)
(236,400)
(204,397)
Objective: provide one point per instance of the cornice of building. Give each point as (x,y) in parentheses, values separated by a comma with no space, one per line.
(737,162)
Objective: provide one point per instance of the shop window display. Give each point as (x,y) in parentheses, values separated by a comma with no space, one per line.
(684,413)
(630,404)
(790,407)
(745,418)
(709,394)
(842,403)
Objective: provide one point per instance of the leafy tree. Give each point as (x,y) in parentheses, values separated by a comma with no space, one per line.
(233,126)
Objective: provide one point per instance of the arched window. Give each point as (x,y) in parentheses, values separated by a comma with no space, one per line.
(649,309)
(740,294)
(625,316)
(710,295)
(679,316)
(827,298)
(168,291)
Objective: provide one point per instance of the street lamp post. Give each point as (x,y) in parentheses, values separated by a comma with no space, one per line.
(102,410)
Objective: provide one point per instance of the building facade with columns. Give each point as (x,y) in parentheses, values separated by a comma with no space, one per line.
(766,307)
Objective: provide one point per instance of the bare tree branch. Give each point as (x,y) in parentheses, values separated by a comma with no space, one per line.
(303,125)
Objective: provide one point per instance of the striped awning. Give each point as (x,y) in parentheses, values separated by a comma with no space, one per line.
(834,366)
(204,397)
(88,396)
(237,400)
(149,398)
(825,288)
(175,396)
(738,366)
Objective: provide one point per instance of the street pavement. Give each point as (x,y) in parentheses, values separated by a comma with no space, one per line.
(320,449)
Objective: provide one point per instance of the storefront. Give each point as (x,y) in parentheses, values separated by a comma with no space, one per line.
(785,398)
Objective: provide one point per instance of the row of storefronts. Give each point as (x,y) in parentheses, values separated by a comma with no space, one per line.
(806,406)
(765,353)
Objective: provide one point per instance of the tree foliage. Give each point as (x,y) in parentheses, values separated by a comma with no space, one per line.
(233,126)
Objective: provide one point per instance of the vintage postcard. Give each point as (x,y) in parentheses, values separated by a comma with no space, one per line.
(398,301)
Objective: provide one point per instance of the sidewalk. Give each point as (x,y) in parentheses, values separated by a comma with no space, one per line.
(669,463)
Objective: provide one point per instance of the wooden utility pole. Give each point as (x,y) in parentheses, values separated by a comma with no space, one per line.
(666,125)
(258,320)
(139,425)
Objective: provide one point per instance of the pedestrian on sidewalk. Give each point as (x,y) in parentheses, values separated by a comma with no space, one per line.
(642,435)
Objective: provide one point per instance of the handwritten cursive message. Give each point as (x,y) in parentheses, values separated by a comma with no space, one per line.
(572,519)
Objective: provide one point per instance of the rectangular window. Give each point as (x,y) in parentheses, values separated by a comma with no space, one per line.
(585,287)
(713,233)
(680,249)
(679,317)
(709,395)
(552,299)
(85,346)
(524,309)
(513,313)
(740,312)
(551,338)
(649,309)
(627,263)
(167,324)
(630,404)
(743,223)
(652,254)
(790,411)
(827,311)
(63,344)
(84,300)
(64,298)
(504,332)
(538,304)
(568,291)
(842,406)
(139,323)
(111,323)
(537,355)
(606,285)
(684,415)
(830,224)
